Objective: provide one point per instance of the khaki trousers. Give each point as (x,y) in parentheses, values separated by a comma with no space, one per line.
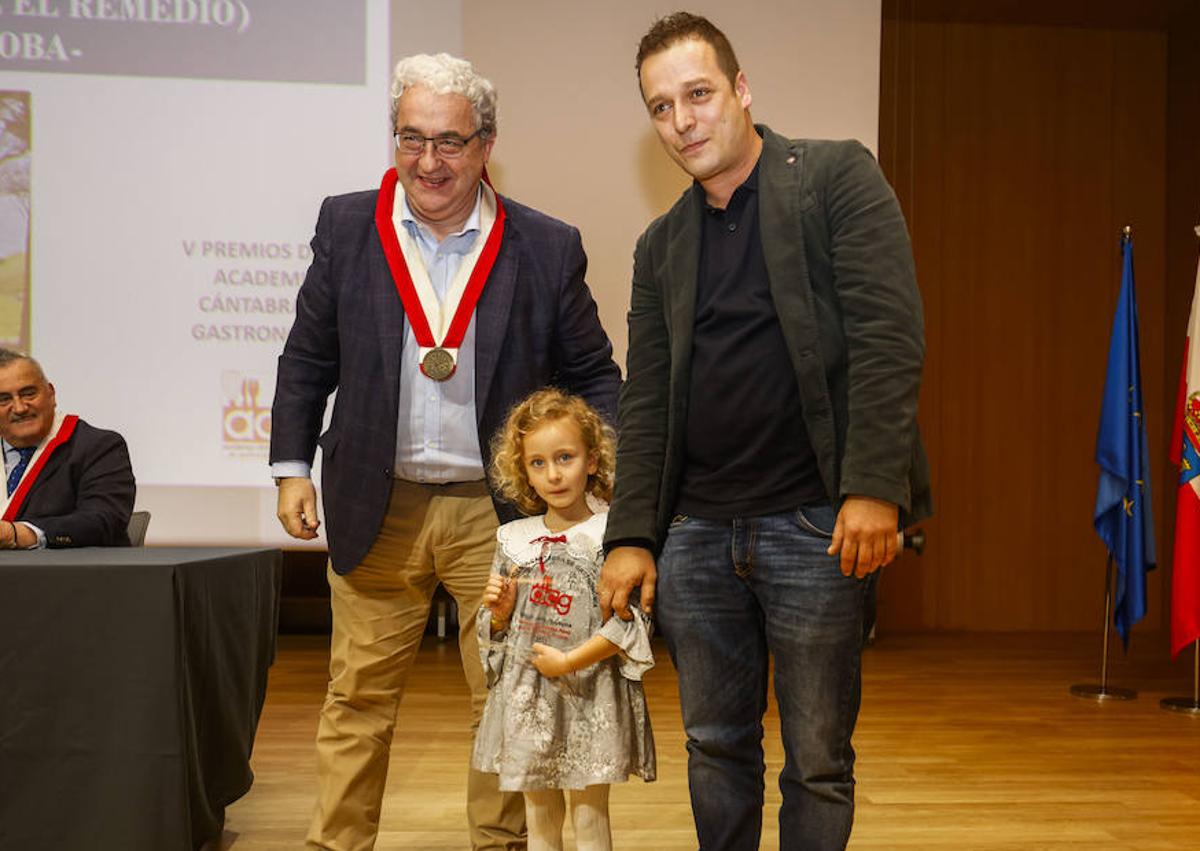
(432,533)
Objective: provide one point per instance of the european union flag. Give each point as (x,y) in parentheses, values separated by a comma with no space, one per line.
(1123,517)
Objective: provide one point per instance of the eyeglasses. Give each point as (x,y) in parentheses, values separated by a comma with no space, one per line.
(447,147)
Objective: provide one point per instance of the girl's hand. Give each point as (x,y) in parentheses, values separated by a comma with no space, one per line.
(550,661)
(500,596)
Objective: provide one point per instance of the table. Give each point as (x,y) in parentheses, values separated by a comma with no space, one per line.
(131,682)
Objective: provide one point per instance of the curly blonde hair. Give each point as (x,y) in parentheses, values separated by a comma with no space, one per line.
(508,446)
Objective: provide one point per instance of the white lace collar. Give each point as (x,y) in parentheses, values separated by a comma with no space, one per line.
(518,539)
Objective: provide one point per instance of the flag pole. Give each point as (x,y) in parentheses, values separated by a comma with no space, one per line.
(1187,705)
(1102,691)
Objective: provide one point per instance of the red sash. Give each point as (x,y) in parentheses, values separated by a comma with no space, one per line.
(403,280)
(62,436)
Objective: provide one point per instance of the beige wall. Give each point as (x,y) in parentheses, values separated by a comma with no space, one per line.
(574,139)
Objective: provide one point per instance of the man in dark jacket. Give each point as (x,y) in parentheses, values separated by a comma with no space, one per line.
(768,436)
(69,484)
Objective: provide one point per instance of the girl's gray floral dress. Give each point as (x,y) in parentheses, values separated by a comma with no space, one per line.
(580,729)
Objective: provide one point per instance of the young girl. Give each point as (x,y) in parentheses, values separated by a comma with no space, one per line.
(565,708)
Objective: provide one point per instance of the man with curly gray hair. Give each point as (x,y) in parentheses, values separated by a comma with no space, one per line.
(433,305)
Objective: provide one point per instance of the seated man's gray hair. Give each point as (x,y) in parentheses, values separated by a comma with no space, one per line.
(8,356)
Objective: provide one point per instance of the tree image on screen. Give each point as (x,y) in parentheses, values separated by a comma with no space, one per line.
(14,219)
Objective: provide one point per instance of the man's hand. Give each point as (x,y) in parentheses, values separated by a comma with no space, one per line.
(865,535)
(550,661)
(626,568)
(10,536)
(297,507)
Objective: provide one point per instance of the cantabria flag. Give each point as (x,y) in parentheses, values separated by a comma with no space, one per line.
(1185,451)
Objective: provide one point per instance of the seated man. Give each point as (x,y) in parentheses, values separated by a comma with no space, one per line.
(69,484)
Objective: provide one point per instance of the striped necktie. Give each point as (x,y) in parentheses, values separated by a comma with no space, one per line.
(14,478)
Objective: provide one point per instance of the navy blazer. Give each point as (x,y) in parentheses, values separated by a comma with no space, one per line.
(535,325)
(84,495)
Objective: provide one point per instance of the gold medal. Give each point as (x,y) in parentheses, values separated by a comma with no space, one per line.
(417,295)
(438,364)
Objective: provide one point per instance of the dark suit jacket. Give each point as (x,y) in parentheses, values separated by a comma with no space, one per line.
(535,324)
(85,493)
(841,276)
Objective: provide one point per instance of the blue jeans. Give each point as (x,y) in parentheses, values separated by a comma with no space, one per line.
(733,594)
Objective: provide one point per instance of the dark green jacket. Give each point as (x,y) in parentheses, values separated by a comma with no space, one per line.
(842,279)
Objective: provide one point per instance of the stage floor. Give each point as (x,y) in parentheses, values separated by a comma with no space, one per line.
(965,741)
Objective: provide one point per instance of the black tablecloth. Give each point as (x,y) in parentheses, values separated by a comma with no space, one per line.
(131,682)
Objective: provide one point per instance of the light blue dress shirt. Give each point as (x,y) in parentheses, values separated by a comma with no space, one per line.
(11,458)
(437,436)
(437,439)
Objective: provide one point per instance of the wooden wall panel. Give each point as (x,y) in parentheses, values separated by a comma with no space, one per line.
(1183,209)
(1018,152)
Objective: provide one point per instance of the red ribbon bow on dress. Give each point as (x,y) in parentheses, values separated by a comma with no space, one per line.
(546,541)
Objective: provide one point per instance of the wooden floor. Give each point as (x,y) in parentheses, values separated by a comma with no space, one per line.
(964,741)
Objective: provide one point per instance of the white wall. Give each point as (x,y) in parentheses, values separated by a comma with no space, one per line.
(574,137)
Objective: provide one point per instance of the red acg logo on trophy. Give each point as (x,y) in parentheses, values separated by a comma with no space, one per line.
(544,593)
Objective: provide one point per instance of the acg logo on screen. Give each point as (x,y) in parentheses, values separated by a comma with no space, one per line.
(245,421)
